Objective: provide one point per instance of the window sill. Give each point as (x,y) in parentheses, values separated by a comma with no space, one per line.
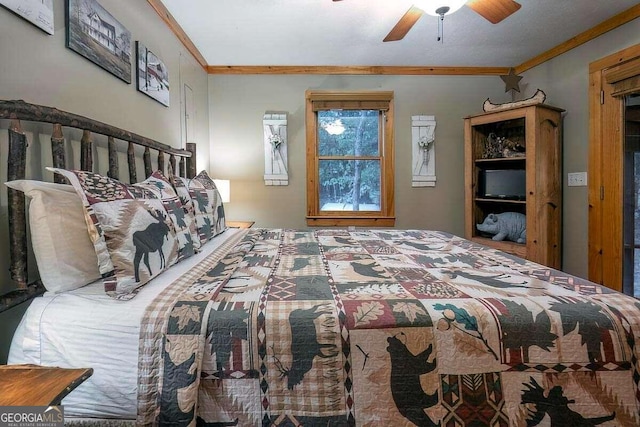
(329,221)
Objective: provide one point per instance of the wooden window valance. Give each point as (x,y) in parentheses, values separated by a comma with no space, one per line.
(321,100)
(625,78)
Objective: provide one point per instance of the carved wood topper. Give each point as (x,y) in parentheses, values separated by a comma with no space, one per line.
(537,98)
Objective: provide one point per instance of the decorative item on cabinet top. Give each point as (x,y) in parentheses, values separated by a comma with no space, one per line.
(275,148)
(423,140)
(538,98)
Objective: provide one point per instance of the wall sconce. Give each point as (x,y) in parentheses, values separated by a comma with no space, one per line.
(224,188)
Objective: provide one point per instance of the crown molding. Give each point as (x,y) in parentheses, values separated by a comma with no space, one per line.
(173,25)
(592,33)
(584,37)
(357,70)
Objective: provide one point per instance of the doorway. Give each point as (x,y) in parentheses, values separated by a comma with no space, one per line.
(614,171)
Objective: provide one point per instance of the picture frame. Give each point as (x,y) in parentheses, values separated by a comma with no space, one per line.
(95,34)
(152,75)
(38,12)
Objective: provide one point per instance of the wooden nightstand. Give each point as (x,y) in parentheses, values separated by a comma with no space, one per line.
(33,385)
(240,224)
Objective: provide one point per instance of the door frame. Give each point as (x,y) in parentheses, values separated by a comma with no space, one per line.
(606,151)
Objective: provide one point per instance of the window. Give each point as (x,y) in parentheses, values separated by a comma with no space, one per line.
(349,158)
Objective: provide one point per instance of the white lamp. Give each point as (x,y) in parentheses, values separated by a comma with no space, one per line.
(224,188)
(439,7)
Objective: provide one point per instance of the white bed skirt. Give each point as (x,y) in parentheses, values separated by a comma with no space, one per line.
(87,328)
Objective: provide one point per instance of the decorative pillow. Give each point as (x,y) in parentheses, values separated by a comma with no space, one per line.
(59,238)
(215,200)
(184,224)
(207,208)
(137,230)
(180,186)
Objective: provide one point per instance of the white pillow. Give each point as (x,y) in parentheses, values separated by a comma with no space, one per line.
(64,253)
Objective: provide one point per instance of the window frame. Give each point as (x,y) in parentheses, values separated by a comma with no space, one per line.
(354,100)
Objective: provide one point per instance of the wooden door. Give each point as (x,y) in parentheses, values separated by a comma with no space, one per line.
(610,79)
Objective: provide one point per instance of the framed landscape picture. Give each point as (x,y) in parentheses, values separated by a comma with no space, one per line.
(38,12)
(152,75)
(95,34)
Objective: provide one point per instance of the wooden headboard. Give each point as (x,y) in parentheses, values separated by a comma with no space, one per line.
(181,161)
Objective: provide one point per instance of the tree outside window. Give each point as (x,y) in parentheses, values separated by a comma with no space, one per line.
(350,158)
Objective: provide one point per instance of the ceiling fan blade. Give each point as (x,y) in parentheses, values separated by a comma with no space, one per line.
(494,11)
(404,24)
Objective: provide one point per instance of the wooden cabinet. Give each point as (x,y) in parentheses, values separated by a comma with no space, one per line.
(502,148)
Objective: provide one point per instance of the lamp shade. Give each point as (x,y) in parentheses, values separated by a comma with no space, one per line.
(430,6)
(224,188)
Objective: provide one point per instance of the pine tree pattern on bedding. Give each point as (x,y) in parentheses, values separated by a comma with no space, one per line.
(389,327)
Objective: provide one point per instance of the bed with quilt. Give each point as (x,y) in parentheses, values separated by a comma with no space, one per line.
(336,327)
(188,322)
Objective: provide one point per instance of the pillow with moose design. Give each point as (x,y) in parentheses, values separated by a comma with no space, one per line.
(137,230)
(201,198)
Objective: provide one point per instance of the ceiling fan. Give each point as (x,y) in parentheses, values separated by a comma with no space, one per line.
(492,10)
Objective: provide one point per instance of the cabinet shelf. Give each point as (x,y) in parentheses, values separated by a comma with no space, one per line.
(502,160)
(518,249)
(536,129)
(498,200)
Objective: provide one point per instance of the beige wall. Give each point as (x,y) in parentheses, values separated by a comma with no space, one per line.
(238,102)
(38,68)
(565,80)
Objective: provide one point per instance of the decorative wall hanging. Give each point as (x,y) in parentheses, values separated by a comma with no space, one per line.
(275,148)
(537,98)
(38,12)
(95,34)
(152,75)
(511,81)
(423,129)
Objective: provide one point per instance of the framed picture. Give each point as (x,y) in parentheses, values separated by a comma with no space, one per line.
(38,12)
(95,34)
(152,75)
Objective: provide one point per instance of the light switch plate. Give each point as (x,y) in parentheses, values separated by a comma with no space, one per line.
(577,179)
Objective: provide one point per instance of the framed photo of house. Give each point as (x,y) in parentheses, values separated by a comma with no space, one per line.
(95,34)
(38,12)
(152,75)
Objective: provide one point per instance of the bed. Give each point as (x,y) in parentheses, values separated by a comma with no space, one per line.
(333,327)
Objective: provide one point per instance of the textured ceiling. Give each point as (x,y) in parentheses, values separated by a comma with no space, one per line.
(350,32)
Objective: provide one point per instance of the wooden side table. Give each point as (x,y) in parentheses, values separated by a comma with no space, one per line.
(33,385)
(240,224)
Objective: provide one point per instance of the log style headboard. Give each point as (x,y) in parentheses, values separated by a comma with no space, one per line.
(182,162)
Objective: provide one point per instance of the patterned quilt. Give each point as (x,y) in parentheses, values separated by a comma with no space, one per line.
(385,328)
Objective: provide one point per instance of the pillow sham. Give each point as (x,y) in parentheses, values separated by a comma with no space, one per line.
(63,251)
(137,230)
(206,202)
(180,185)
(214,200)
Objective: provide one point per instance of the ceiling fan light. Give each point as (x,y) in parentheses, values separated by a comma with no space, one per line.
(431,6)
